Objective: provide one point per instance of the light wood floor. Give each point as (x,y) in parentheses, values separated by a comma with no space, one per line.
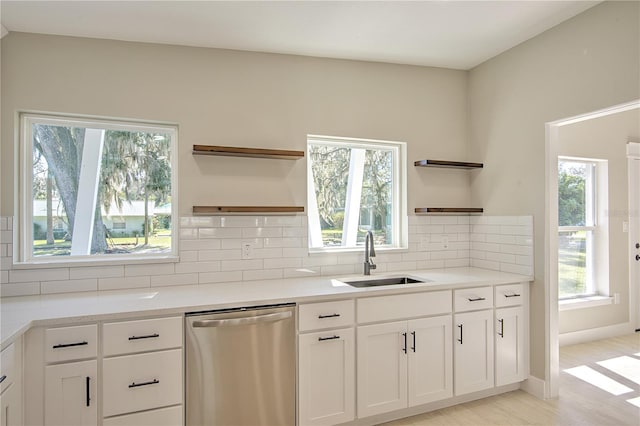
(580,403)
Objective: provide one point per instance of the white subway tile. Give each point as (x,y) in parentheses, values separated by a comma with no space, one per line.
(431,229)
(69,286)
(205,255)
(295,232)
(338,270)
(353,258)
(241,265)
(270,274)
(10,223)
(475,245)
(463,254)
(199,221)
(295,252)
(456,263)
(501,239)
(189,256)
(219,277)
(456,229)
(387,257)
(149,269)
(516,230)
(515,249)
(477,254)
(485,229)
(444,220)
(267,253)
(283,221)
(4,277)
(83,272)
(30,275)
(464,236)
(6,236)
(524,260)
(210,244)
(477,220)
(175,279)
(20,289)
(284,262)
(430,264)
(464,220)
(524,240)
(241,222)
(516,269)
(282,242)
(485,264)
(190,267)
(525,220)
(478,237)
(441,255)
(3,250)
(501,257)
(204,233)
(502,220)
(320,260)
(301,272)
(122,283)
(6,263)
(188,233)
(3,223)
(413,256)
(261,232)
(401,266)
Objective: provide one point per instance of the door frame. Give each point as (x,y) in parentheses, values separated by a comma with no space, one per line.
(552,345)
(633,155)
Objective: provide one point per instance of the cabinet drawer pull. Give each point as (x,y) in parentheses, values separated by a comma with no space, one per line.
(501,333)
(328,316)
(148,336)
(405,343)
(475,299)
(322,339)
(69,345)
(88,383)
(136,385)
(512,295)
(4,376)
(460,339)
(413,348)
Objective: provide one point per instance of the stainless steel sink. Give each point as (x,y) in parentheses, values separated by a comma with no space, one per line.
(383,281)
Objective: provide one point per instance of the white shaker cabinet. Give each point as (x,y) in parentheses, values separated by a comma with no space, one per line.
(473,351)
(326,363)
(70,394)
(11,385)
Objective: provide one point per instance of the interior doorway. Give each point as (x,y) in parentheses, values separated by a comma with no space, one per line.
(633,153)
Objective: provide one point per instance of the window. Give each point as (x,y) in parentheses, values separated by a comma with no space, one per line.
(82,178)
(355,186)
(582,233)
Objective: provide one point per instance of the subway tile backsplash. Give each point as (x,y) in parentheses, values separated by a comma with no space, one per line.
(211,252)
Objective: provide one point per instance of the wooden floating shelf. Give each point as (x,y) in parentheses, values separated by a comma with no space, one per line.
(448,164)
(246,209)
(466,210)
(231,151)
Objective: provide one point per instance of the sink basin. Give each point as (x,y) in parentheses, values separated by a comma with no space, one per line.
(383,281)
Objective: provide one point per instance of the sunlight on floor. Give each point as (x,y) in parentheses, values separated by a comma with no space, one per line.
(634,401)
(598,379)
(624,366)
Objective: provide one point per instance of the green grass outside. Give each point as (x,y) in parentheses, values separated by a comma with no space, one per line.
(115,245)
(572,267)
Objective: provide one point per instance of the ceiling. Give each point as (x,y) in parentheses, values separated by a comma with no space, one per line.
(449,34)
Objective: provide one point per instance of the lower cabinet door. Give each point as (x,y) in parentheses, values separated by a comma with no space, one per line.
(430,373)
(326,377)
(473,351)
(70,394)
(510,357)
(11,414)
(382,368)
(170,416)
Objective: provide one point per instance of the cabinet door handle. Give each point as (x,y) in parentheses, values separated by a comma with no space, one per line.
(413,334)
(4,376)
(148,336)
(512,295)
(404,349)
(460,339)
(328,316)
(475,299)
(136,385)
(501,333)
(322,339)
(88,386)
(68,345)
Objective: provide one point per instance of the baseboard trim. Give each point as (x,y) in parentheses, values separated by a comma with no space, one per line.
(535,387)
(592,334)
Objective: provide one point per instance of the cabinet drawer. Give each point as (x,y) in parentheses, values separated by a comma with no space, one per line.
(473,299)
(315,316)
(142,382)
(127,337)
(385,308)
(171,416)
(71,343)
(509,295)
(8,367)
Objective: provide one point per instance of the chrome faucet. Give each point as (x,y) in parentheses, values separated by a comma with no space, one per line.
(369,252)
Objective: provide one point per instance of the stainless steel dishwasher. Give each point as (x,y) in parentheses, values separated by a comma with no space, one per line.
(241,366)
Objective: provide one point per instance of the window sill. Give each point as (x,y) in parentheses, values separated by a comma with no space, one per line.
(42,264)
(584,302)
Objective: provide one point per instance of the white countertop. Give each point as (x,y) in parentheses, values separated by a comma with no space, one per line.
(18,314)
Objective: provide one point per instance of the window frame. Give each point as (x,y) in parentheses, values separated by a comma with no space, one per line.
(23,200)
(596,227)
(399,218)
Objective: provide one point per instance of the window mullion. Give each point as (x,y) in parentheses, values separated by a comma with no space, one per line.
(354,195)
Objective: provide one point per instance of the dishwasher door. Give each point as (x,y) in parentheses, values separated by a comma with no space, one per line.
(241,367)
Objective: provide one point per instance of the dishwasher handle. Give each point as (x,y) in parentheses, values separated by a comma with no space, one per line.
(243,321)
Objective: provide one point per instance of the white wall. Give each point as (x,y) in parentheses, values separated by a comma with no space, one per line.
(605,138)
(585,64)
(222,97)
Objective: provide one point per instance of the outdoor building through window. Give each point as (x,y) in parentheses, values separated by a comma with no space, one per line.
(94,188)
(582,241)
(355,186)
